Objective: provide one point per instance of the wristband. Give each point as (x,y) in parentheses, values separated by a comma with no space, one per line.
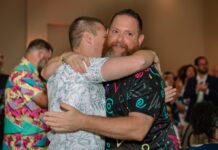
(62,59)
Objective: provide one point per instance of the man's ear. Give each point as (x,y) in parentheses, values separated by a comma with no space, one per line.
(41,53)
(88,37)
(141,39)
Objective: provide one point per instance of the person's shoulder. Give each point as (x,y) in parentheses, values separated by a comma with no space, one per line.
(212,78)
(150,72)
(96,63)
(139,76)
(61,71)
(98,59)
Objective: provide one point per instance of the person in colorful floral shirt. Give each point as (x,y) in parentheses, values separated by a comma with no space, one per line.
(26,101)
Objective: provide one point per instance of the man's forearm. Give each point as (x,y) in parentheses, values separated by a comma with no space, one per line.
(53,64)
(50,67)
(127,128)
(114,67)
(41,99)
(149,57)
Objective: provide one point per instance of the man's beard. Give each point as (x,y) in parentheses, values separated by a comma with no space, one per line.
(109,49)
(203,71)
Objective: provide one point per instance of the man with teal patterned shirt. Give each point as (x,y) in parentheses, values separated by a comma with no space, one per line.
(26,101)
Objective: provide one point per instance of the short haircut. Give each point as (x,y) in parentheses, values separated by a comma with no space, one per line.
(38,44)
(199,58)
(131,13)
(81,25)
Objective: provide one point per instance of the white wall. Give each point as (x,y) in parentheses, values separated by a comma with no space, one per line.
(177,29)
(12,31)
(211,31)
(44,16)
(44,12)
(174,28)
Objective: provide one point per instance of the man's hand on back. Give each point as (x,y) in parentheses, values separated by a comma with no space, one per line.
(67,121)
(78,62)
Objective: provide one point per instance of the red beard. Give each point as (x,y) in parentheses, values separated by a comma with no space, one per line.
(108,48)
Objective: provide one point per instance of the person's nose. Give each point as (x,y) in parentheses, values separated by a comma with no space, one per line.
(120,37)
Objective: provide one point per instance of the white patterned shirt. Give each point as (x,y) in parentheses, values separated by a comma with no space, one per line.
(86,93)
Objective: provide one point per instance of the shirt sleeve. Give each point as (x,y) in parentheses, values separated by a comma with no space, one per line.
(146,93)
(94,70)
(30,85)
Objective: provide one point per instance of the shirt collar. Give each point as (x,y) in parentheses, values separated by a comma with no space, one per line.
(30,66)
(202,79)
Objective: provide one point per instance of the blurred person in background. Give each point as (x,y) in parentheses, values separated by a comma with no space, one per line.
(26,101)
(177,105)
(204,122)
(185,73)
(203,87)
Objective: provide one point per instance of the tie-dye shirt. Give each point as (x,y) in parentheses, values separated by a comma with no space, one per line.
(86,93)
(23,125)
(142,92)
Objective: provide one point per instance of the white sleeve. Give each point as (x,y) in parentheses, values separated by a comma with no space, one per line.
(93,73)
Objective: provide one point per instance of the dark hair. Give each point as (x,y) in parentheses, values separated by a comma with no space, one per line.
(39,44)
(169,73)
(81,25)
(183,70)
(204,119)
(199,58)
(131,13)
